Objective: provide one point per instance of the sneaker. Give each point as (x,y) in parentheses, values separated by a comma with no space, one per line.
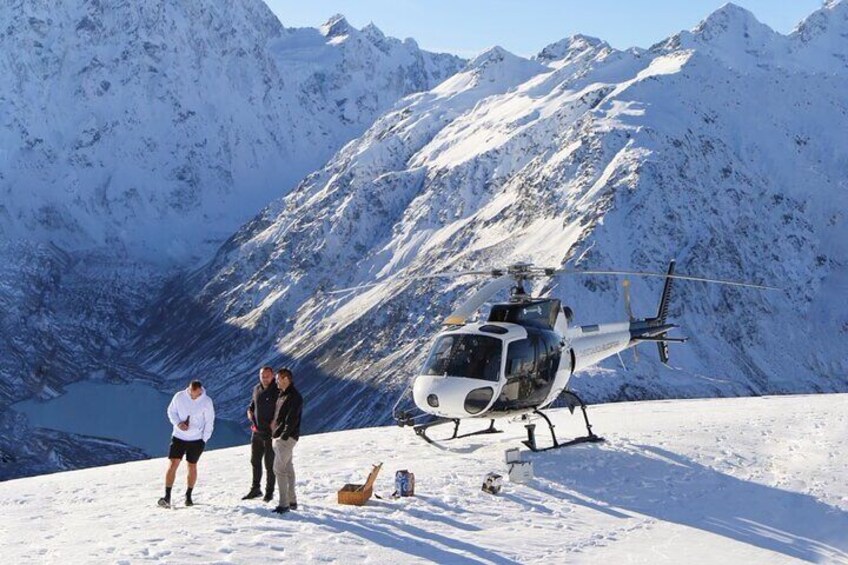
(189,501)
(280,510)
(254,493)
(293,506)
(269,496)
(164,503)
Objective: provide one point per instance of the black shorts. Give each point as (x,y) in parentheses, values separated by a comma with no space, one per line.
(191,449)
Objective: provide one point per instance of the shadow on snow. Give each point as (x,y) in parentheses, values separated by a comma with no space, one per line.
(667,486)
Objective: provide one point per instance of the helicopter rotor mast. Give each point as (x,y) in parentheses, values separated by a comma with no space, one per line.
(513,277)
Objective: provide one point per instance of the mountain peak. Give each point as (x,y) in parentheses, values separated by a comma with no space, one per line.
(491,55)
(731,20)
(731,32)
(336,26)
(832,16)
(373,31)
(493,70)
(575,43)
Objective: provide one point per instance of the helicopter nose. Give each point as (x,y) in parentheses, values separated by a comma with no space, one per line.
(451,397)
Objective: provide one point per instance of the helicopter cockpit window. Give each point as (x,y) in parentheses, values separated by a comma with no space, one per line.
(520,358)
(465,355)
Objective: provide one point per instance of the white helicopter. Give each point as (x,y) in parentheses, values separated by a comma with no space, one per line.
(520,360)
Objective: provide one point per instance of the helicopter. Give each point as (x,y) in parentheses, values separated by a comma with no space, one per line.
(519,360)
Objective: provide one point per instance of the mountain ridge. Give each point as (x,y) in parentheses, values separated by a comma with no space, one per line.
(168,125)
(718,153)
(601,158)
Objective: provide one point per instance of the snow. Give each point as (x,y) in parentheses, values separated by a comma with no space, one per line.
(753,480)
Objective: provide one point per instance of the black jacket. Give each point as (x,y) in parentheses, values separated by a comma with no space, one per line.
(263,404)
(287,417)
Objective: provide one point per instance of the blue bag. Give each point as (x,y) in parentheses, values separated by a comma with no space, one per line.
(404,483)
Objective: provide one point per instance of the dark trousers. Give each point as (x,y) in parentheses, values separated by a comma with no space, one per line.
(262,448)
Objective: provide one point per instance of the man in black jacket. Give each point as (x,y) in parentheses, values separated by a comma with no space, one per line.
(286,433)
(263,406)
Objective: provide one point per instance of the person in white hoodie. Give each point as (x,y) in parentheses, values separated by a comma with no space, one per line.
(193,416)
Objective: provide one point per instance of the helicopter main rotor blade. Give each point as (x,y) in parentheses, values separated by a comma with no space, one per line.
(448,274)
(353,288)
(452,274)
(665,275)
(467,308)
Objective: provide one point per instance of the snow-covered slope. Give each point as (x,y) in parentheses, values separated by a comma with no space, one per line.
(134,138)
(749,480)
(720,147)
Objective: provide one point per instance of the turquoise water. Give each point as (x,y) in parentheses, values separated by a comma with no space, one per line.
(132,413)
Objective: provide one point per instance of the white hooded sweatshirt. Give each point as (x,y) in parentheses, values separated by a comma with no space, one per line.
(200,411)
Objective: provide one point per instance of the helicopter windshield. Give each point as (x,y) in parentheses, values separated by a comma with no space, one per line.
(465,355)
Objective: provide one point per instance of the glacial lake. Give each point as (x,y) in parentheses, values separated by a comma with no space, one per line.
(132,413)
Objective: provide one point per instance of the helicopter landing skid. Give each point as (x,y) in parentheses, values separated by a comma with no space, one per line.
(421,429)
(530,442)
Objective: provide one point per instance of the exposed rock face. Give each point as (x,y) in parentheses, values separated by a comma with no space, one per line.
(163,126)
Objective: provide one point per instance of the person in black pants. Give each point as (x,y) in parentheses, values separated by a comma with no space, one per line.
(261,415)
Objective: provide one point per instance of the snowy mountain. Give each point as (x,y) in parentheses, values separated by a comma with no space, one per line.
(675,482)
(720,147)
(163,126)
(134,138)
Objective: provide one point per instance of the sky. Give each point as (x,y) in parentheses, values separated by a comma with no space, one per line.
(524,27)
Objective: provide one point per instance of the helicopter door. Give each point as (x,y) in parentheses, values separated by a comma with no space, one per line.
(531,367)
(520,373)
(548,357)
